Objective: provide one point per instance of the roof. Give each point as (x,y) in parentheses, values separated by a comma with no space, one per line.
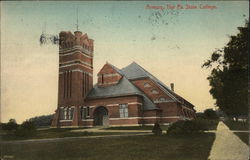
(123,88)
(115,68)
(135,71)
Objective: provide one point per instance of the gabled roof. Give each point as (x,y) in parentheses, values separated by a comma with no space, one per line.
(123,88)
(113,67)
(135,71)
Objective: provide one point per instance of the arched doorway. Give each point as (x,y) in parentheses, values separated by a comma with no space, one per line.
(101,117)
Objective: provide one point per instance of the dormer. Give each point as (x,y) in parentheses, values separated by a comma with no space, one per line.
(108,75)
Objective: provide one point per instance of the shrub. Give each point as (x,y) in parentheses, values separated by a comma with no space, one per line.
(210,114)
(41,121)
(157,129)
(192,126)
(26,129)
(10,126)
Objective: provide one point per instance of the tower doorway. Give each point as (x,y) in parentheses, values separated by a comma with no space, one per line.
(101,117)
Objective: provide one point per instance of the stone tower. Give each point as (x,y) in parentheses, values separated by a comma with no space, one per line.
(75,77)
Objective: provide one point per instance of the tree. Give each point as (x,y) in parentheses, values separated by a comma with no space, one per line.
(228,78)
(26,129)
(41,121)
(10,126)
(210,114)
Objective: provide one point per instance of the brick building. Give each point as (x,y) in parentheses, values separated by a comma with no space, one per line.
(127,96)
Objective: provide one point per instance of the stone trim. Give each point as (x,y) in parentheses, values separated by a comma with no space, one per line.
(88,120)
(134,103)
(143,117)
(73,61)
(74,49)
(73,64)
(108,105)
(109,75)
(78,70)
(166,101)
(66,120)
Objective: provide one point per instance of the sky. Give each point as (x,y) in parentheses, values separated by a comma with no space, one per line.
(172,44)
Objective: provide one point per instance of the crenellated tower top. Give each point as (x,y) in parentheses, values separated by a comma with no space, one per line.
(75,41)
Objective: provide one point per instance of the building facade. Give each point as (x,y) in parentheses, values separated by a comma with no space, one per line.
(127,96)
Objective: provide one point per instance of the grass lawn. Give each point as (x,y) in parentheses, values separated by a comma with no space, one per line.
(165,147)
(243,136)
(134,128)
(58,133)
(233,125)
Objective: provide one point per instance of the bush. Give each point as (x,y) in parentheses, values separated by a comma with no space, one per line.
(192,126)
(10,126)
(157,129)
(26,129)
(210,114)
(42,121)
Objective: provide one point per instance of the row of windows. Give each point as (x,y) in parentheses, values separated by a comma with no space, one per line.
(67,113)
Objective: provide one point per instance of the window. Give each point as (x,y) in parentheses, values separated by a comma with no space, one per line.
(85,112)
(162,99)
(71,113)
(123,108)
(154,91)
(65,114)
(146,85)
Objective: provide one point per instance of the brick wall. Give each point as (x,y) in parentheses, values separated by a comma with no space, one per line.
(108,76)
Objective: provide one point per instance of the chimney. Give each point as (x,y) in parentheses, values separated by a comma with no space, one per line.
(172,86)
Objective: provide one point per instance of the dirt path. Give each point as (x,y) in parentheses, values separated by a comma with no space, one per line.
(227,146)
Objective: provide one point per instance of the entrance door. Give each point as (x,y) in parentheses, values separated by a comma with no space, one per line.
(101,117)
(105,120)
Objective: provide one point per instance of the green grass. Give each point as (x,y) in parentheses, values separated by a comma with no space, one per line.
(233,125)
(243,136)
(134,128)
(190,147)
(57,133)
